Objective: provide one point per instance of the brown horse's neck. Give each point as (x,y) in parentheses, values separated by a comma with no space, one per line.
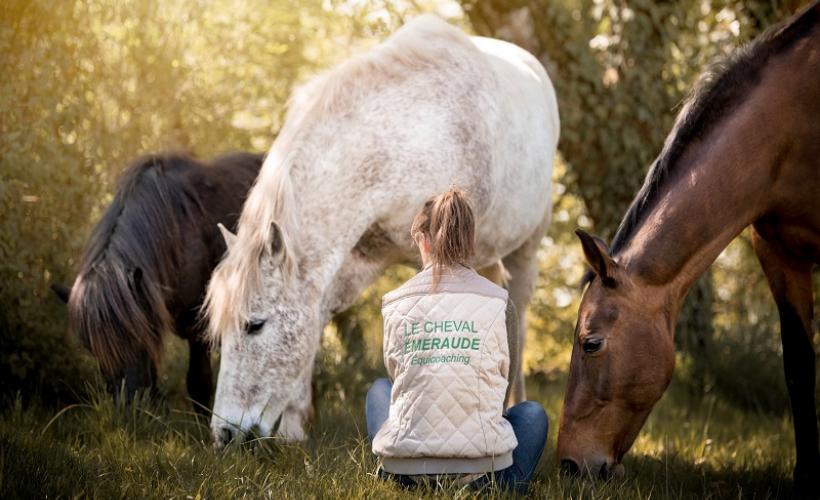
(719,185)
(737,166)
(691,224)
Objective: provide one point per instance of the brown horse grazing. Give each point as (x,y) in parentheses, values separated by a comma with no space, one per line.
(745,150)
(147,263)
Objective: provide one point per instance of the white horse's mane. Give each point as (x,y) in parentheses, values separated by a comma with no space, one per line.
(238,277)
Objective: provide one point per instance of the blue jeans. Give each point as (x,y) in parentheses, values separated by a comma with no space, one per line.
(528,420)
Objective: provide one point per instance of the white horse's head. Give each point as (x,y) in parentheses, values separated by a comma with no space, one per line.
(260,310)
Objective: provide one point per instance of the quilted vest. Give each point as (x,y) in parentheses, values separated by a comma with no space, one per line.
(447,354)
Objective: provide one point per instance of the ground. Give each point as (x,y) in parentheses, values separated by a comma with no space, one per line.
(158,449)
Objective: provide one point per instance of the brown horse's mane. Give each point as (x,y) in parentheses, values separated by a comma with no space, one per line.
(719,90)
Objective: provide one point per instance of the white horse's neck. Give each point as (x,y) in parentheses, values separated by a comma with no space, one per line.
(327,262)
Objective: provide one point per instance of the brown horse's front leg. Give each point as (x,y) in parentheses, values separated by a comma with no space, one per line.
(790,282)
(200,377)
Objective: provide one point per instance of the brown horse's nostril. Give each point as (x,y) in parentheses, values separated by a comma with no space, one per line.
(603,472)
(569,467)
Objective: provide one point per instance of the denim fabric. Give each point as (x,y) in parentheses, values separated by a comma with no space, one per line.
(377,406)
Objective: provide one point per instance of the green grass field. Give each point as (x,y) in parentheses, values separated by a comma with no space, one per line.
(159,450)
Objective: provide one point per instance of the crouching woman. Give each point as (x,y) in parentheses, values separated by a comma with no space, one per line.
(450,349)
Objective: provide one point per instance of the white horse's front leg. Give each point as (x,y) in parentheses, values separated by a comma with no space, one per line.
(297,414)
(522,265)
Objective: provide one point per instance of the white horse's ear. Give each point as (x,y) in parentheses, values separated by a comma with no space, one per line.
(277,240)
(229,237)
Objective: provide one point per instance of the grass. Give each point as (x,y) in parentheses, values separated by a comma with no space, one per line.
(691,447)
(707,449)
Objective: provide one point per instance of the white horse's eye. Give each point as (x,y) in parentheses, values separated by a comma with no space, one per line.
(254,326)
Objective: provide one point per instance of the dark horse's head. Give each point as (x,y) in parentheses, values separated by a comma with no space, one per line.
(114,328)
(118,302)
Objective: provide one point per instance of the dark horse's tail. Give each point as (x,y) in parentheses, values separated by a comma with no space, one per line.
(118,301)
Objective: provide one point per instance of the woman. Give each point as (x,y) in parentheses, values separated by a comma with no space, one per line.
(450,349)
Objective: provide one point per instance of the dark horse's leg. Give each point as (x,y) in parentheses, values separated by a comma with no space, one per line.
(138,375)
(790,282)
(200,378)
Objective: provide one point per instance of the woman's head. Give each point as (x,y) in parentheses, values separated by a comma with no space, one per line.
(444,230)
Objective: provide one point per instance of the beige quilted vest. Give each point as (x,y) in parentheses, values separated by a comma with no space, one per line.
(447,355)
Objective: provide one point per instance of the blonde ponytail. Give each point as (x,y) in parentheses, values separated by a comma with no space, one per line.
(448,224)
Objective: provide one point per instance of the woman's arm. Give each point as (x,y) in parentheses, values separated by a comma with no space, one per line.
(512,345)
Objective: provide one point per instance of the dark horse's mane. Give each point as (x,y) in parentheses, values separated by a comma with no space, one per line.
(118,303)
(719,90)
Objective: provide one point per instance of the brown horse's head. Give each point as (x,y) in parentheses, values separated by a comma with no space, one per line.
(622,361)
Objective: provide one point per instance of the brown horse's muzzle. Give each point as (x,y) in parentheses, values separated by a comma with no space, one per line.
(583,452)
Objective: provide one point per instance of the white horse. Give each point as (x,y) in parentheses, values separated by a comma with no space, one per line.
(362,148)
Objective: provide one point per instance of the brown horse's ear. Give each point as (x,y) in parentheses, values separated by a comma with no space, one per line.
(597,255)
(61,291)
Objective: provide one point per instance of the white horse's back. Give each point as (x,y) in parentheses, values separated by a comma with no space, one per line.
(440,108)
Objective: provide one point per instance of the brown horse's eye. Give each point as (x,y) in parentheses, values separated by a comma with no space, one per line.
(255,326)
(591,345)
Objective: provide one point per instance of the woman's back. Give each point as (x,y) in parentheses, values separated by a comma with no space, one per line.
(447,350)
(448,355)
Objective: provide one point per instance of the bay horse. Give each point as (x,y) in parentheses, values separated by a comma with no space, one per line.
(744,151)
(362,148)
(146,264)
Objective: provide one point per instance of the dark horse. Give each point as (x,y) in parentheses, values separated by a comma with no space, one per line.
(745,150)
(147,262)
